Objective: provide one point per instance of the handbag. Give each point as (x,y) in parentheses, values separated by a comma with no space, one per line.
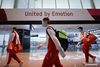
(10,47)
(13,47)
(17,48)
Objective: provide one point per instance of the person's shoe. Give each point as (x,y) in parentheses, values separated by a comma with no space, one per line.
(85,63)
(20,64)
(94,59)
(6,65)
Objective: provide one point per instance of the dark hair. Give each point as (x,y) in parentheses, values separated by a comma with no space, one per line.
(14,28)
(80,28)
(46,19)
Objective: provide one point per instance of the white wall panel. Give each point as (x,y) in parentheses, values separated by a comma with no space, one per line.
(75,4)
(0,3)
(87,4)
(7,4)
(22,3)
(48,3)
(62,4)
(35,3)
(97,4)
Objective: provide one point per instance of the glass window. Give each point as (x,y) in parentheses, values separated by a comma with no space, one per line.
(7,4)
(6,39)
(48,3)
(97,4)
(75,4)
(1,39)
(35,3)
(87,4)
(22,3)
(62,4)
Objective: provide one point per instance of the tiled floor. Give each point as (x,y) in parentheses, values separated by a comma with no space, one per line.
(74,59)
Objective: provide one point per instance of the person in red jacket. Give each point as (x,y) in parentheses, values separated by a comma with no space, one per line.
(54,47)
(85,45)
(14,38)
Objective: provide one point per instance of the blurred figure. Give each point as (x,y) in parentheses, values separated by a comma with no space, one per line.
(54,47)
(13,47)
(82,33)
(85,41)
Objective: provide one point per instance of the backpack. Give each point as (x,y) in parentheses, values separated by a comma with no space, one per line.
(92,37)
(62,37)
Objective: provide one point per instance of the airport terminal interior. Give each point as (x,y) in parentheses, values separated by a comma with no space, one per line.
(34,34)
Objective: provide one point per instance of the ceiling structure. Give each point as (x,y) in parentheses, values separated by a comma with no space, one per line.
(54,4)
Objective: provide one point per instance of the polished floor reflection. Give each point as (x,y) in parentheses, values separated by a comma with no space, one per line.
(74,59)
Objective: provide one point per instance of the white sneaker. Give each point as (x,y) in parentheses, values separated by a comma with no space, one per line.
(20,64)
